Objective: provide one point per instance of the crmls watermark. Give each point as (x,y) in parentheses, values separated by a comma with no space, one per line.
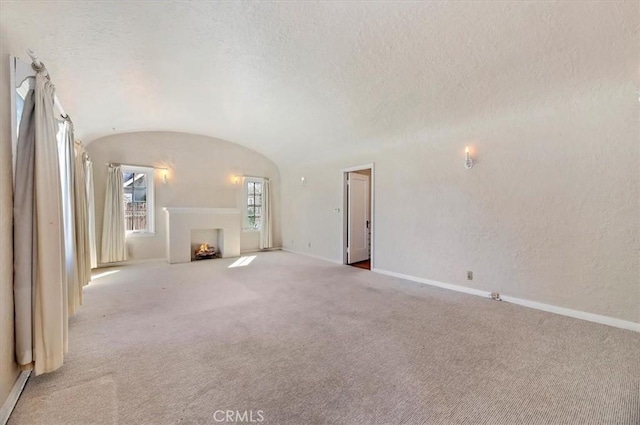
(239,416)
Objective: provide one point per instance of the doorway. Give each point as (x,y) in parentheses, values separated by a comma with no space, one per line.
(358,217)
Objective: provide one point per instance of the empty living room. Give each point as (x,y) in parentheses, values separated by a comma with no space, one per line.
(319,212)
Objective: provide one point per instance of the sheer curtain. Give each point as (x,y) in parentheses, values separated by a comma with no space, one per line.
(113,231)
(265,232)
(40,284)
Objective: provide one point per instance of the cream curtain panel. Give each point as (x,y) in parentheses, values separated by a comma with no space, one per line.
(113,232)
(66,155)
(91,205)
(81,204)
(40,285)
(25,231)
(265,232)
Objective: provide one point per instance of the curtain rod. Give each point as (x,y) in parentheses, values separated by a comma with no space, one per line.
(113,164)
(39,65)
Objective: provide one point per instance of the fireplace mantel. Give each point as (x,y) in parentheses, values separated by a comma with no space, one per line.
(181,220)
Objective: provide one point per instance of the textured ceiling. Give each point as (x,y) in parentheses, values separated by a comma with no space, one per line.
(303,81)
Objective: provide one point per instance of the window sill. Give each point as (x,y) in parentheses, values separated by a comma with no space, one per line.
(250,229)
(140,235)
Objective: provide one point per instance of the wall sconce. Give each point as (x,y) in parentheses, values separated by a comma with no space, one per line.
(164,174)
(468,162)
(303,181)
(236,180)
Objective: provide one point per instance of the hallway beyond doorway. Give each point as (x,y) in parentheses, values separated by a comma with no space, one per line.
(366,264)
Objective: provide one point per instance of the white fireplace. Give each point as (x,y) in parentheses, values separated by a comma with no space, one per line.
(181,222)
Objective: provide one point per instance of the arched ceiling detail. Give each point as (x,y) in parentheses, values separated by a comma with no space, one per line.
(309,81)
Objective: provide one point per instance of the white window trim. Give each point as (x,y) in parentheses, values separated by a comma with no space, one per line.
(151,204)
(245,192)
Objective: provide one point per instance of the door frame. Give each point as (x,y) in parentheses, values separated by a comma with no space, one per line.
(345,212)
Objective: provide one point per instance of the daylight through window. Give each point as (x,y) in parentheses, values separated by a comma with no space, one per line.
(254,204)
(138,199)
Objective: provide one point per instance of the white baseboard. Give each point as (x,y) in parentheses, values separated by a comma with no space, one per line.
(14,395)
(151,260)
(317,257)
(251,251)
(449,286)
(591,317)
(128,263)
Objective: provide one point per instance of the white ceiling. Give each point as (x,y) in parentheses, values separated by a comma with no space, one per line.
(306,81)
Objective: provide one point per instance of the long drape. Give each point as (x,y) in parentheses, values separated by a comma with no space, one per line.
(91,205)
(265,233)
(82,220)
(66,153)
(113,231)
(40,286)
(25,253)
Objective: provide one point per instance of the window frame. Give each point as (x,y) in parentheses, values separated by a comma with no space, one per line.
(245,204)
(151,210)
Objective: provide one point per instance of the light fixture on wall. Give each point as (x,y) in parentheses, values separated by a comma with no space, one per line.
(468,162)
(303,181)
(236,180)
(164,174)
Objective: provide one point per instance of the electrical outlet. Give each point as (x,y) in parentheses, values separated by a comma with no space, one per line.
(469,275)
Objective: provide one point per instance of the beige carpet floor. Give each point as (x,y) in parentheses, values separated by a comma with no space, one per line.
(309,342)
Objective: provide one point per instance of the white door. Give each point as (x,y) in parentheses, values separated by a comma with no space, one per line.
(358,210)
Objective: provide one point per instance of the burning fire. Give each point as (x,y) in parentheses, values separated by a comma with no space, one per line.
(204,247)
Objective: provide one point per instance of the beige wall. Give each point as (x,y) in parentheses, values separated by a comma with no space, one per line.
(8,367)
(201,170)
(549,212)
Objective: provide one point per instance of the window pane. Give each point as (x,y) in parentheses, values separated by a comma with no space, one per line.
(140,180)
(134,220)
(141,219)
(136,191)
(254,204)
(139,194)
(128,216)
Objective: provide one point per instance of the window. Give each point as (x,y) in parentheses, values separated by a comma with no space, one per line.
(253,192)
(137,185)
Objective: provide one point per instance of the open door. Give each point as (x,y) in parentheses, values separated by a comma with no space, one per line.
(358,211)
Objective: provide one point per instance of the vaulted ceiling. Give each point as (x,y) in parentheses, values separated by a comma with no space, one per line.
(301,81)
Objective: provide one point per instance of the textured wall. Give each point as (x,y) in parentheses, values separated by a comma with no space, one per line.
(200,176)
(548,213)
(8,367)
